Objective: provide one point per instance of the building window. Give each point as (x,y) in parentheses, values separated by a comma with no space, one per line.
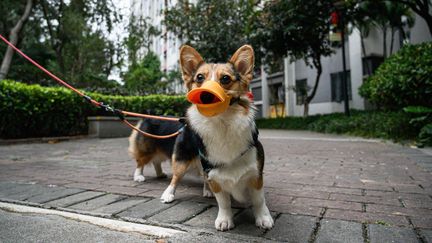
(336,86)
(371,63)
(256,92)
(301,89)
(277,93)
(259,111)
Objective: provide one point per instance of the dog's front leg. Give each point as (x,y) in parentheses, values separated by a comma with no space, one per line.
(263,218)
(224,220)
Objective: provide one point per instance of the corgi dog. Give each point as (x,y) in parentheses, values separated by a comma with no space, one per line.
(223,146)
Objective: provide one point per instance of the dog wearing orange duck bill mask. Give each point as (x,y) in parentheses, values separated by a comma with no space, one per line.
(220,137)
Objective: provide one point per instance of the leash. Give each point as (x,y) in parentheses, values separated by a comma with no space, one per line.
(119,113)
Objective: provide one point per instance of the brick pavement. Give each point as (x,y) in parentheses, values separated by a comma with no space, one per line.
(320,188)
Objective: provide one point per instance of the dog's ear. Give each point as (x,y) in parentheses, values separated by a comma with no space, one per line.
(243,61)
(190,60)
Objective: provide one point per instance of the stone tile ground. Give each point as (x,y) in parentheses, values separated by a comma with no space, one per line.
(320,188)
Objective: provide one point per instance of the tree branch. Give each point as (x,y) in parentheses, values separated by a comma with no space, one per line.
(317,63)
(50,28)
(13,38)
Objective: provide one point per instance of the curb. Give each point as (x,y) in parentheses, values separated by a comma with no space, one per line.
(41,140)
(112,224)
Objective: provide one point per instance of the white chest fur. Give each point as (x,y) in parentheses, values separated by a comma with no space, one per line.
(225,138)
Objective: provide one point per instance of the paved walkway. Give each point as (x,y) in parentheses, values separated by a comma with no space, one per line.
(320,188)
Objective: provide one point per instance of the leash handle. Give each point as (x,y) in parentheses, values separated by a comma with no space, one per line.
(117,112)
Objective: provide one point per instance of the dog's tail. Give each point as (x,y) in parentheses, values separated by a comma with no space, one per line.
(133,149)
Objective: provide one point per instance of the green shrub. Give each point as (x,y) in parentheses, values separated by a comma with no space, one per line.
(35,111)
(404,79)
(422,117)
(291,123)
(372,124)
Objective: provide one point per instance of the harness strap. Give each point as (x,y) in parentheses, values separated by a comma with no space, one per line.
(207,166)
(205,162)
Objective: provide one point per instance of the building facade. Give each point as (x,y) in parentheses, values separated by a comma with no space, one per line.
(281,94)
(166,45)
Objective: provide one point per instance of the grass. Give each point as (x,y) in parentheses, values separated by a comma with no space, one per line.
(392,125)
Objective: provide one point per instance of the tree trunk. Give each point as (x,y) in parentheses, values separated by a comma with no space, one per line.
(428,19)
(318,66)
(403,36)
(393,30)
(368,71)
(13,38)
(306,108)
(384,42)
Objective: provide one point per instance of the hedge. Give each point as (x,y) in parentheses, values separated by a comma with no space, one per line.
(393,125)
(404,79)
(35,111)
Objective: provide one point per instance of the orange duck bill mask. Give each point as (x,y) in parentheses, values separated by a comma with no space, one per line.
(210,98)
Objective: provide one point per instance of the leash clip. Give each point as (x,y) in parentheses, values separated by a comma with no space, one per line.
(87,98)
(110,109)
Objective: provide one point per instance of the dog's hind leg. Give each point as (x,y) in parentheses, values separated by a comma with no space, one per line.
(206,191)
(141,162)
(158,168)
(179,168)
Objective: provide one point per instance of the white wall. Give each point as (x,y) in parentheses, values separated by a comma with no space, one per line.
(420,31)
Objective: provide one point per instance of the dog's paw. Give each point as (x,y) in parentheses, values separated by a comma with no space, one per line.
(167,195)
(139,178)
(224,223)
(162,175)
(167,198)
(264,221)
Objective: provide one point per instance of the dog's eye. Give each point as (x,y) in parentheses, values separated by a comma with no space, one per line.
(200,78)
(225,79)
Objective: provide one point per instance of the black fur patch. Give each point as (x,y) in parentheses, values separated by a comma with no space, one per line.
(260,157)
(186,145)
(159,127)
(255,134)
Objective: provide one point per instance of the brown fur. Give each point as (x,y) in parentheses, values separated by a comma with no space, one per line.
(239,66)
(214,186)
(144,151)
(256,183)
(179,168)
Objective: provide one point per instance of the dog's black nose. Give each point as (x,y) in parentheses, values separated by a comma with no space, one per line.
(207,97)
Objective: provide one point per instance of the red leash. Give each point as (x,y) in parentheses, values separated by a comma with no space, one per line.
(120,113)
